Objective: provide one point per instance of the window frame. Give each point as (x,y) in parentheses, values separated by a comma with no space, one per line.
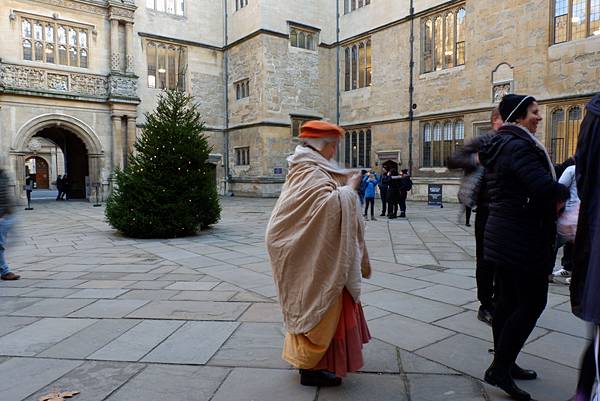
(56,45)
(353,5)
(356,74)
(435,47)
(358,147)
(239,4)
(242,89)
(562,142)
(242,155)
(311,38)
(179,70)
(588,30)
(178,5)
(440,139)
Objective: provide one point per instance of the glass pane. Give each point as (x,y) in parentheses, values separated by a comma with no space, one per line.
(49,53)
(49,33)
(27,50)
(180,7)
(595,17)
(162,67)
(294,38)
(62,55)
(360,3)
(72,37)
(346,6)
(368,149)
(182,63)
(353,5)
(575,116)
(39,51)
(427,146)
(347,150)
(459,130)
(301,40)
(310,42)
(38,31)
(151,61)
(361,149)
(171,69)
(428,46)
(578,19)
(447,147)
(160,5)
(171,6)
(560,29)
(437,145)
(557,132)
(73,56)
(460,37)
(83,58)
(369,62)
(347,69)
(83,39)
(354,151)
(439,44)
(354,67)
(150,4)
(26,28)
(362,68)
(449,44)
(62,35)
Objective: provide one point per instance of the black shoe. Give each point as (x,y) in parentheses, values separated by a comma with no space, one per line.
(507,384)
(382,215)
(485,315)
(319,378)
(402,214)
(468,224)
(519,373)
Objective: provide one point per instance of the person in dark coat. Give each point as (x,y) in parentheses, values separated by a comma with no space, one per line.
(393,193)
(66,183)
(59,187)
(520,233)
(405,186)
(585,282)
(384,183)
(466,158)
(7,220)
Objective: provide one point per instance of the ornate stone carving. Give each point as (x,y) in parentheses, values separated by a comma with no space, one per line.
(129,67)
(77,5)
(123,86)
(14,76)
(121,13)
(115,62)
(500,90)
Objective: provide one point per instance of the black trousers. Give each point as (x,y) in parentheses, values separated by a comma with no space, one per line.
(484,272)
(587,374)
(370,202)
(383,192)
(403,195)
(522,297)
(567,259)
(468,211)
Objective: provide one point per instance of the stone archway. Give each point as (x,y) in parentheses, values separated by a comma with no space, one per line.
(86,150)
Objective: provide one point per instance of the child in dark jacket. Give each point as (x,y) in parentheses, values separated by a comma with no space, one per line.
(370,184)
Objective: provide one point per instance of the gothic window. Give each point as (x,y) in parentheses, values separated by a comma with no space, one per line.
(351,5)
(575,19)
(565,123)
(242,156)
(303,38)
(173,7)
(440,140)
(167,65)
(242,89)
(357,65)
(357,148)
(443,40)
(41,39)
(239,4)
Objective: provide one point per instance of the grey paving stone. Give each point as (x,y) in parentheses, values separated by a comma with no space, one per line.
(253,345)
(394,282)
(367,387)
(190,310)
(58,283)
(447,294)
(40,335)
(245,384)
(564,322)
(137,342)
(560,347)
(406,333)
(37,371)
(453,280)
(12,323)
(372,312)
(192,343)
(409,305)
(14,292)
(23,282)
(102,276)
(51,292)
(53,307)
(184,383)
(412,363)
(444,388)
(262,312)
(149,294)
(193,285)
(98,293)
(110,308)
(149,285)
(204,296)
(12,304)
(90,339)
(380,357)
(462,353)
(106,284)
(95,380)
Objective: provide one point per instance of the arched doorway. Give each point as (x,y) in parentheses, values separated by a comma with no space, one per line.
(75,153)
(37,168)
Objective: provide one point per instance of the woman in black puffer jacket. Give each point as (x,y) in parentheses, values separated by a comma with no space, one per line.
(519,235)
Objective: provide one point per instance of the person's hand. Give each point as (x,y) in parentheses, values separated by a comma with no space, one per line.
(354,180)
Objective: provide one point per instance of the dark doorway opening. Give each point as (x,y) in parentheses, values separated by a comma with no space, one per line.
(76,159)
(40,172)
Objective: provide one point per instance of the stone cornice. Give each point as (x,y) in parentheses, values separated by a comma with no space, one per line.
(90,6)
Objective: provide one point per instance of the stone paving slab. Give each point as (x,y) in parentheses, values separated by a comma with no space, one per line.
(110,308)
(53,307)
(406,333)
(11,323)
(368,387)
(444,388)
(98,293)
(190,310)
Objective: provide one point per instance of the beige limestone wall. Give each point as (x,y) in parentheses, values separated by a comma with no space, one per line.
(374,15)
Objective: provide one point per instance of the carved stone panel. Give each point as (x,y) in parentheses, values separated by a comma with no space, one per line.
(123,86)
(499,90)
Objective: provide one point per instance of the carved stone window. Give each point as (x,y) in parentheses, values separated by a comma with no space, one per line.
(357,148)
(351,5)
(173,7)
(357,63)
(575,19)
(167,65)
(440,140)
(239,4)
(49,41)
(242,156)
(443,40)
(565,122)
(303,38)
(242,89)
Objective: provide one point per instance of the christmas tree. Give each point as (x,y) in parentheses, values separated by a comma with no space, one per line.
(167,189)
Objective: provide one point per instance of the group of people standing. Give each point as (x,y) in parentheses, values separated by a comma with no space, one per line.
(62,185)
(519,199)
(393,191)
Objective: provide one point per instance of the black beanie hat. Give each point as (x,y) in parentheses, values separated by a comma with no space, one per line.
(513,107)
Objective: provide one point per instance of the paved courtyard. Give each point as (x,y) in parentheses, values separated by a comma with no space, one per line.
(196,319)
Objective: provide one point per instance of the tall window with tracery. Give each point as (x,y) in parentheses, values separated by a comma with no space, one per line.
(440,140)
(175,7)
(443,40)
(53,42)
(357,148)
(167,65)
(565,123)
(357,65)
(575,19)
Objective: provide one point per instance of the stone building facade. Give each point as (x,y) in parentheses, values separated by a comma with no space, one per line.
(83,73)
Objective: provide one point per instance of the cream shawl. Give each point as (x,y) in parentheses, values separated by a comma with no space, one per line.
(315,239)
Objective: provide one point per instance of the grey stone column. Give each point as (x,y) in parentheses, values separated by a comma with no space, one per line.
(115,61)
(117,143)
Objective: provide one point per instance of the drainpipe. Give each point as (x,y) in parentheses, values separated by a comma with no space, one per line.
(226,78)
(337,62)
(411,88)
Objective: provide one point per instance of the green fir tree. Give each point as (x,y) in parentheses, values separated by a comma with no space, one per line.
(167,189)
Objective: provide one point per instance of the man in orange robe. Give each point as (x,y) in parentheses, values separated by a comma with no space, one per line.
(315,239)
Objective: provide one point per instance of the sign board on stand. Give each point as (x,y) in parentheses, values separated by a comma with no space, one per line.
(434,195)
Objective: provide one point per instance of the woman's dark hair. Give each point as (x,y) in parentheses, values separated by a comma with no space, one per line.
(514,107)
